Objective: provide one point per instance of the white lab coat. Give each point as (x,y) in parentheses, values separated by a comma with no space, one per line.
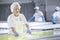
(16,22)
(38,16)
(56,16)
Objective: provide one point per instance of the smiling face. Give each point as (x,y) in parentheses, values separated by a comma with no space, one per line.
(16,10)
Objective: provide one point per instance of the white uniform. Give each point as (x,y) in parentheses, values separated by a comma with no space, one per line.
(17,22)
(56,16)
(38,16)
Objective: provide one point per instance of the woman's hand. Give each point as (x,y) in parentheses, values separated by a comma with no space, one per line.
(28,29)
(16,34)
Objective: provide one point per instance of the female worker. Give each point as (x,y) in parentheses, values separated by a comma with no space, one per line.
(56,16)
(38,16)
(16,18)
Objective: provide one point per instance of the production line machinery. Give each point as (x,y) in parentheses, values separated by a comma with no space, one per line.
(43,31)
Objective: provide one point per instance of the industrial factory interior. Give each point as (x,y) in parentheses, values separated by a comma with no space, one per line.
(29,19)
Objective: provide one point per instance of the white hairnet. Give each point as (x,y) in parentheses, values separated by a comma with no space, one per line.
(13,5)
(36,7)
(57,8)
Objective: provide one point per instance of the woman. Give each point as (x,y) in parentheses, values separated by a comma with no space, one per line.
(16,19)
(38,16)
(56,16)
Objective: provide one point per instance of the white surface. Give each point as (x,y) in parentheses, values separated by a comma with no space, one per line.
(33,25)
(3,25)
(45,25)
(56,32)
(39,23)
(4,31)
(36,25)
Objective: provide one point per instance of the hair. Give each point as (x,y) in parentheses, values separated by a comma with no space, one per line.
(13,5)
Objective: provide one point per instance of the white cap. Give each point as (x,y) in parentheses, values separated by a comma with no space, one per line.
(36,7)
(13,5)
(57,8)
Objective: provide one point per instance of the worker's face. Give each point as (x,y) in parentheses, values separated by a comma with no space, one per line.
(36,10)
(56,10)
(16,10)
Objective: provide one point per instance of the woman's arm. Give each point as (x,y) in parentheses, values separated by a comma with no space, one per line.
(26,23)
(11,25)
(13,29)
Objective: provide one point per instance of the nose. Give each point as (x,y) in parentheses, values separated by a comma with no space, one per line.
(17,10)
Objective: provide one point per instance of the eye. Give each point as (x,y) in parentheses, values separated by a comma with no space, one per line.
(16,9)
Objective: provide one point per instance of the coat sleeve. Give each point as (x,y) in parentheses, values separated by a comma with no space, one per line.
(10,22)
(23,18)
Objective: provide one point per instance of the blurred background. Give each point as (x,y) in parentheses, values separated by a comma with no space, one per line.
(27,8)
(46,6)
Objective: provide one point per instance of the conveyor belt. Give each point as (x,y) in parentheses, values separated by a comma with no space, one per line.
(52,37)
(43,27)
